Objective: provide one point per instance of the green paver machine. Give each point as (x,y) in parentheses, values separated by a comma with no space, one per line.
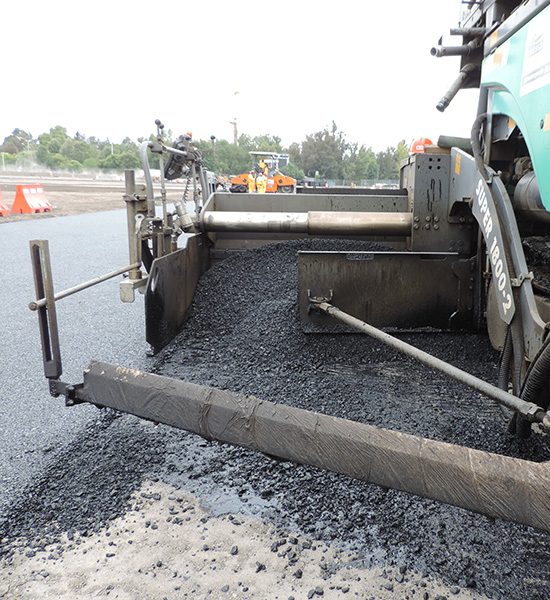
(459,226)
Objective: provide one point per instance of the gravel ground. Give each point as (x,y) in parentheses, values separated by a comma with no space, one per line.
(34,425)
(125,484)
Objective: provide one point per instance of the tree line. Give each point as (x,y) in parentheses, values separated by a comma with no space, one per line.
(325,154)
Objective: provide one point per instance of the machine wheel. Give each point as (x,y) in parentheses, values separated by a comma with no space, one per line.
(285,189)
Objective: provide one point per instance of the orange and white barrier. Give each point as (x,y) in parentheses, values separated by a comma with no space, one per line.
(4,210)
(30,199)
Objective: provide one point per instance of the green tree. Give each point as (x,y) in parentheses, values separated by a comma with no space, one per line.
(124,160)
(295,152)
(360,164)
(54,146)
(294,171)
(77,150)
(390,159)
(49,149)
(261,143)
(225,158)
(91,163)
(402,151)
(18,141)
(323,153)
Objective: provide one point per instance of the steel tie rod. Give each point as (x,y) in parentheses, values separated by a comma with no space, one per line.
(36,304)
(528,410)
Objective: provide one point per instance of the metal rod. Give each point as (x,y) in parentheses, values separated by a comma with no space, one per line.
(78,288)
(466,72)
(313,223)
(148,179)
(475,31)
(132,211)
(465,50)
(473,479)
(530,411)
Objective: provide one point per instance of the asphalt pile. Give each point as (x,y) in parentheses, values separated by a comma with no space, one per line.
(244,334)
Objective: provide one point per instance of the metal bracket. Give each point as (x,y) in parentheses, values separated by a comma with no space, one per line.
(128,287)
(316,301)
(139,223)
(73,393)
(517,281)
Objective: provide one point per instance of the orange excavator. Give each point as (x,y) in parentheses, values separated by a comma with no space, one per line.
(267,163)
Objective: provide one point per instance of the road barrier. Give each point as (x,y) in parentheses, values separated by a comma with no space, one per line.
(4,210)
(30,199)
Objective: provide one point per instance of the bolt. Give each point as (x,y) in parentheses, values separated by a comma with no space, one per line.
(417,219)
(416,226)
(436,226)
(427,226)
(428,218)
(436,219)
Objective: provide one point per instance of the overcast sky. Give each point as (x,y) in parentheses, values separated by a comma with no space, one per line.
(290,68)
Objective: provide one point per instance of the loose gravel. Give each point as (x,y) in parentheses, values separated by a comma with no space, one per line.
(244,335)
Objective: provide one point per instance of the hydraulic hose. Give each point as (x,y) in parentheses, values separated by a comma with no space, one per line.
(475,138)
(538,375)
(505,358)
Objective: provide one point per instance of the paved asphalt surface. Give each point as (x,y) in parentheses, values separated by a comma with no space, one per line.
(93,324)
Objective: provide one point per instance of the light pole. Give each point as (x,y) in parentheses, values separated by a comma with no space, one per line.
(235,136)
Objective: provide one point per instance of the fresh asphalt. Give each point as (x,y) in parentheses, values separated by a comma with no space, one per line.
(93,324)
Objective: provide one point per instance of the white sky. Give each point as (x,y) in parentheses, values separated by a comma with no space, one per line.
(110,68)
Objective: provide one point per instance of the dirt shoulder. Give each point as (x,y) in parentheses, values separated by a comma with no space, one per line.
(168,546)
(67,198)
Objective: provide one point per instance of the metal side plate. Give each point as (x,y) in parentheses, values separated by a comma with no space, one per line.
(170,289)
(402,290)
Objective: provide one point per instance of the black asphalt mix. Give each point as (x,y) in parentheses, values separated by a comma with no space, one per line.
(244,335)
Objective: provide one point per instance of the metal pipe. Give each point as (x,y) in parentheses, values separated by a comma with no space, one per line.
(313,223)
(203,175)
(148,180)
(466,72)
(134,239)
(469,31)
(528,410)
(35,305)
(163,190)
(359,223)
(465,50)
(175,151)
